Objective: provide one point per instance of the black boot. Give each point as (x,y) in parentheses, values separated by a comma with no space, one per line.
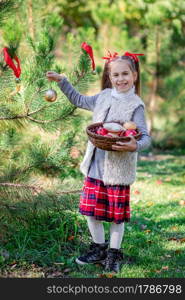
(96,254)
(113,260)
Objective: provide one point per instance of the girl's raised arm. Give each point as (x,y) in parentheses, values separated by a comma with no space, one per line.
(79,100)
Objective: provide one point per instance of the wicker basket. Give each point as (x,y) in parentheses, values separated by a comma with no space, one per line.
(105,142)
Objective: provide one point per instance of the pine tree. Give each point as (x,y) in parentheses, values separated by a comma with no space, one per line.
(23,108)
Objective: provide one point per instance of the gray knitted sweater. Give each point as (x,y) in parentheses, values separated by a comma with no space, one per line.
(96,169)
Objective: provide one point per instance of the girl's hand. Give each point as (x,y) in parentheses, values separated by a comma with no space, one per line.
(54,76)
(130,146)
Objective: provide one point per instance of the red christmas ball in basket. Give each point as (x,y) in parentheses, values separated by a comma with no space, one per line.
(104,135)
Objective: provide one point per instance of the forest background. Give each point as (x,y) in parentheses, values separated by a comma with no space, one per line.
(43,143)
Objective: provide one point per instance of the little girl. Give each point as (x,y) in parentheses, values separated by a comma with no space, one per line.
(109,174)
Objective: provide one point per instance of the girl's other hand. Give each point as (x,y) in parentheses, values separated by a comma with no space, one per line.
(53,76)
(130,146)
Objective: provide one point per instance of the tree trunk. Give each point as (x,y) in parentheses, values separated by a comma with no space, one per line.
(152,96)
(30,19)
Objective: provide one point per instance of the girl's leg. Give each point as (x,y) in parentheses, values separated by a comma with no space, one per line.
(114,255)
(116,235)
(96,229)
(97,252)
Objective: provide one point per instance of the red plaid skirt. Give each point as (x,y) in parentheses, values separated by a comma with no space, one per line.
(110,203)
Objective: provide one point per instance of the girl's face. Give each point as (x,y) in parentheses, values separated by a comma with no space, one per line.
(121,76)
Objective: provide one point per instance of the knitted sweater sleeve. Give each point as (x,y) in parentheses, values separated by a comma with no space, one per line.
(139,118)
(79,100)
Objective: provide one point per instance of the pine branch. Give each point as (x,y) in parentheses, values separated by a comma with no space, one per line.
(13,118)
(68,192)
(79,76)
(34,188)
(9,207)
(7,7)
(36,111)
(82,71)
(27,116)
(54,120)
(19,185)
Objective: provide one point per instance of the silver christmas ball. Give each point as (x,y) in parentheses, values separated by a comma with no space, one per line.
(51,95)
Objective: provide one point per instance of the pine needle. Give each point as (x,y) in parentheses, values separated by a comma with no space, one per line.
(7,7)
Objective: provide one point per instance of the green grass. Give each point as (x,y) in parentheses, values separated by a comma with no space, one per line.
(44,242)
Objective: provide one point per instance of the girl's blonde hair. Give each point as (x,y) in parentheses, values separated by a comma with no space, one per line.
(134,66)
